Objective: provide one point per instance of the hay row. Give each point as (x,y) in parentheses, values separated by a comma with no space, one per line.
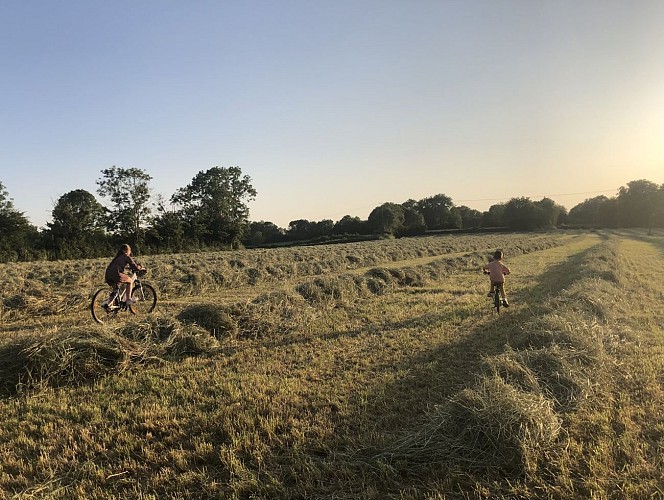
(510,420)
(45,288)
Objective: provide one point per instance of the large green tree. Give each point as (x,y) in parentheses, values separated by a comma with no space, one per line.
(469,216)
(19,240)
(263,232)
(350,225)
(214,205)
(387,218)
(437,212)
(495,216)
(638,203)
(78,225)
(129,192)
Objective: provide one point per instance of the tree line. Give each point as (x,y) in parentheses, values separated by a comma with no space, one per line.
(212,212)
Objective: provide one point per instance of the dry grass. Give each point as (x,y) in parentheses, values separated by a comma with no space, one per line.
(351,371)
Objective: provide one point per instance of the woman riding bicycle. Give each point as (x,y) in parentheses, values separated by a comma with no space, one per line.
(115,275)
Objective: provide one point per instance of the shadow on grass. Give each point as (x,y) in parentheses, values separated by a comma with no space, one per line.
(426,379)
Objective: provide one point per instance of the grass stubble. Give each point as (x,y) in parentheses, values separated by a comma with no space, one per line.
(376,381)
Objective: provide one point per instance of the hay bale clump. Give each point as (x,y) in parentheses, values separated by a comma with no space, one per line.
(376,286)
(491,427)
(156,330)
(328,291)
(571,331)
(279,303)
(64,358)
(559,373)
(190,340)
(380,273)
(509,368)
(213,318)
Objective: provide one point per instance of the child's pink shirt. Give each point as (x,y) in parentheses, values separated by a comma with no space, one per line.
(497,271)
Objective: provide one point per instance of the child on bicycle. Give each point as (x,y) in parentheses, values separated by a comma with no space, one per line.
(115,274)
(497,272)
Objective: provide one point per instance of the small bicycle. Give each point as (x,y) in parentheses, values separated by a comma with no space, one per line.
(497,295)
(144,294)
(497,300)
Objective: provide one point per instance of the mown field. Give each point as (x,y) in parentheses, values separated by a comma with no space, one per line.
(367,370)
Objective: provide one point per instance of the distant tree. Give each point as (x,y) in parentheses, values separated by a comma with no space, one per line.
(78,226)
(413,223)
(588,212)
(609,213)
(129,192)
(549,214)
(469,216)
(438,213)
(300,229)
(323,228)
(638,203)
(522,213)
(263,232)
(214,205)
(19,240)
(167,229)
(410,203)
(350,225)
(387,218)
(495,216)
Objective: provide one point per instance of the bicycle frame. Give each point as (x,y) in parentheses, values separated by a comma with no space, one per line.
(144,295)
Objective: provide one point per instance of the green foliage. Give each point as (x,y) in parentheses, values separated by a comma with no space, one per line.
(19,240)
(303,229)
(639,203)
(495,216)
(469,217)
(129,192)
(413,223)
(213,205)
(263,232)
(388,218)
(78,226)
(350,225)
(438,213)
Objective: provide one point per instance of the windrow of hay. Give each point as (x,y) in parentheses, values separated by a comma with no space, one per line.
(63,358)
(211,317)
(510,420)
(270,313)
(168,337)
(70,358)
(343,289)
(492,426)
(45,288)
(555,372)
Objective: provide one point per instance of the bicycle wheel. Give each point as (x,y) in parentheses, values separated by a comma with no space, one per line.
(496,298)
(99,313)
(146,299)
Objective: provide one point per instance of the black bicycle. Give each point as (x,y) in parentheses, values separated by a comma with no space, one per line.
(497,301)
(144,295)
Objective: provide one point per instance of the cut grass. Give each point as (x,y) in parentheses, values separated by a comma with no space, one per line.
(373,396)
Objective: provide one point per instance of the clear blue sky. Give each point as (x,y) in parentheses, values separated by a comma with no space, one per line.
(333,106)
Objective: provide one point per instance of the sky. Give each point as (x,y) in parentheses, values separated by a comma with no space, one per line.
(333,107)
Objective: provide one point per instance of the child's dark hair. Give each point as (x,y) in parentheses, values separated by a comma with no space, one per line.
(498,255)
(124,249)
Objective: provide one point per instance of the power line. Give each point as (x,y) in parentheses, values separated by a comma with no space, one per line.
(544,195)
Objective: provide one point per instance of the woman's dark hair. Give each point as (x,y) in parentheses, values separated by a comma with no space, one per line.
(124,249)
(498,254)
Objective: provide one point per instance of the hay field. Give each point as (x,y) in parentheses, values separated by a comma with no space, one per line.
(367,370)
